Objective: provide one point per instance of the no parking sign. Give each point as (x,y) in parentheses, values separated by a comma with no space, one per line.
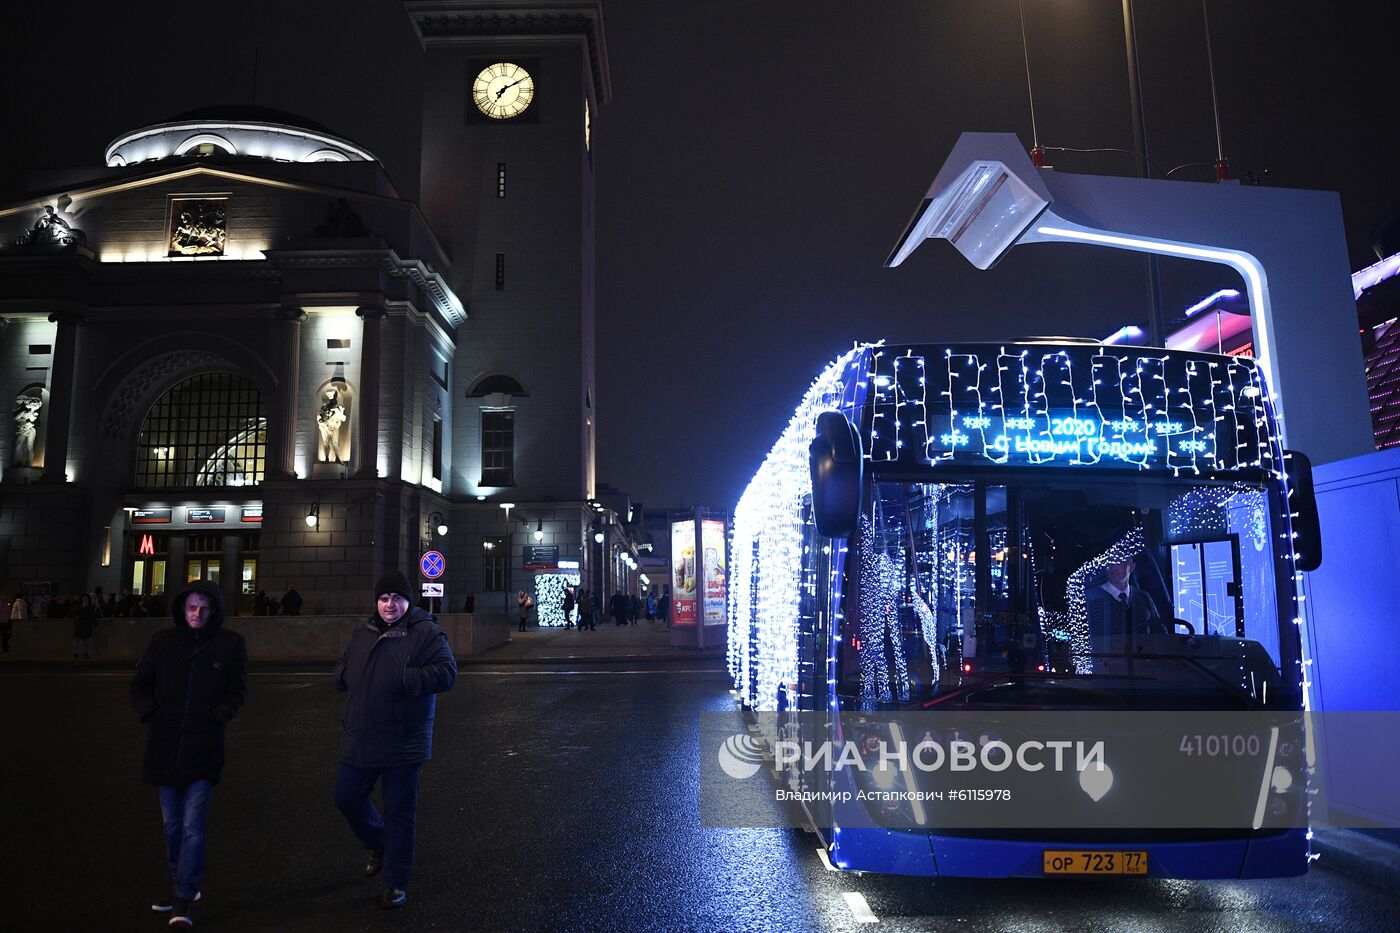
(432,564)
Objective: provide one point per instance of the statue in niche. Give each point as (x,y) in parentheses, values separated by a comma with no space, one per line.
(26,429)
(341,221)
(332,422)
(51,230)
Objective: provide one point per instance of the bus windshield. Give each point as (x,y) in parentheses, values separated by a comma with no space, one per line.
(1122,591)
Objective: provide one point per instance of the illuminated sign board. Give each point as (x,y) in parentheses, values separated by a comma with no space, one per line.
(251,513)
(541,556)
(151,516)
(1077,405)
(712,538)
(204,516)
(684,608)
(147,546)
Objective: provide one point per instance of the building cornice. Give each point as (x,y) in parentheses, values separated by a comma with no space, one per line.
(445,301)
(466,22)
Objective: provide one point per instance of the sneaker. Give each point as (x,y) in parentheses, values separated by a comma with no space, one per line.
(375,864)
(180,913)
(393,898)
(167,904)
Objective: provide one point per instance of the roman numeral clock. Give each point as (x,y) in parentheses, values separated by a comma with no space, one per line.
(503,90)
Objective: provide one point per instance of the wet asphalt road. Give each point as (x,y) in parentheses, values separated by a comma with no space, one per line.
(559,799)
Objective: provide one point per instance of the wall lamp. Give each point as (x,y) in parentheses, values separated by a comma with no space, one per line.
(313,514)
(539,530)
(439,523)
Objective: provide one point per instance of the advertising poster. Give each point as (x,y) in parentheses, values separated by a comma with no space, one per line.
(712,539)
(684,601)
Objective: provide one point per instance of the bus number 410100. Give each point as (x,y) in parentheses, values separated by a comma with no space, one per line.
(1220,746)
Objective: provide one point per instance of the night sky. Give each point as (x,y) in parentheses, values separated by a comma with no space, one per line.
(760,158)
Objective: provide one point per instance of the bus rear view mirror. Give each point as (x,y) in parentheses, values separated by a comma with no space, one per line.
(838,473)
(1302,502)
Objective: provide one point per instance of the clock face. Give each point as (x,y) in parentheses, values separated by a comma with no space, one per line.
(503,90)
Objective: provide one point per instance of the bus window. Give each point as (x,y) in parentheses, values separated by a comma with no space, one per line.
(1163,583)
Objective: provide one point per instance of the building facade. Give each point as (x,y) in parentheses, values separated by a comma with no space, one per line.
(238,354)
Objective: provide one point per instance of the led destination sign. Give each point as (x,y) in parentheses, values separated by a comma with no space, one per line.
(1069,438)
(1082,405)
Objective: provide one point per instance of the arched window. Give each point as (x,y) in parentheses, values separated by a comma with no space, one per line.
(495,385)
(209,430)
(205,144)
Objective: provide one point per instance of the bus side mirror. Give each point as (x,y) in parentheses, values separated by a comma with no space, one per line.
(838,473)
(1302,502)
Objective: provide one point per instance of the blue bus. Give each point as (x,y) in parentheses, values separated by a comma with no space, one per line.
(1050,524)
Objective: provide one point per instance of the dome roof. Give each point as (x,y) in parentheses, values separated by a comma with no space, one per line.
(249,113)
(250,131)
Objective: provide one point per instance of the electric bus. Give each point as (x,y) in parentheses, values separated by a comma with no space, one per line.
(1045,525)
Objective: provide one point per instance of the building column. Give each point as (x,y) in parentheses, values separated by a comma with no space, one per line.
(283,462)
(60,413)
(367,431)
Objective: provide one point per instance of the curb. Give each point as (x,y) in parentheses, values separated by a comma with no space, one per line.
(1359,856)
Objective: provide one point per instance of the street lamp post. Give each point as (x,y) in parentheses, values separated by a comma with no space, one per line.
(507,506)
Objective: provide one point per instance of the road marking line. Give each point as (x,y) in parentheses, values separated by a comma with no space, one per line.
(859,907)
(826,861)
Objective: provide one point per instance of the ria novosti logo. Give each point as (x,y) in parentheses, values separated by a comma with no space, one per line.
(740,757)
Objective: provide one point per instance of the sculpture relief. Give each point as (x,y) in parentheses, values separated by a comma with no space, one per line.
(26,428)
(198,227)
(333,423)
(51,230)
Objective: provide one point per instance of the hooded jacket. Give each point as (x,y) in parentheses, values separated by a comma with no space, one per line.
(392,677)
(187,686)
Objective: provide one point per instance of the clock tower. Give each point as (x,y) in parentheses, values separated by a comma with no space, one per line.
(512,92)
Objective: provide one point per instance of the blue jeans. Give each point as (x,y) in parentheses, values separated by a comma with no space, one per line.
(393,832)
(185,811)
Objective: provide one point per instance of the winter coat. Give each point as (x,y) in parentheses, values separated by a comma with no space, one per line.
(392,678)
(84,622)
(187,686)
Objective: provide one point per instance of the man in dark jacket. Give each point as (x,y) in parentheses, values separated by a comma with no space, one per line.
(392,669)
(190,682)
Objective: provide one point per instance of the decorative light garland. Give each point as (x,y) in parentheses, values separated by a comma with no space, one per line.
(549,596)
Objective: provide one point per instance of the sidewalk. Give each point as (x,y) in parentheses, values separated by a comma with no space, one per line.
(641,642)
(1372,856)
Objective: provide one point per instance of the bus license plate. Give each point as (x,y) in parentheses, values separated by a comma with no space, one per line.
(1095,862)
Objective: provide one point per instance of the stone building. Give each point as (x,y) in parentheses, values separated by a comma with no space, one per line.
(237,353)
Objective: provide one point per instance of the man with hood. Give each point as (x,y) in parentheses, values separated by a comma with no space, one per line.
(395,665)
(190,682)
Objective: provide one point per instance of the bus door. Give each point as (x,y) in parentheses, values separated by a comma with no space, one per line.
(813,693)
(1206,583)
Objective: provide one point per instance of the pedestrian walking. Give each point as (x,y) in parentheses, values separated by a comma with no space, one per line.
(618,607)
(586,617)
(651,608)
(291,602)
(84,621)
(634,609)
(523,603)
(190,682)
(18,610)
(392,670)
(568,607)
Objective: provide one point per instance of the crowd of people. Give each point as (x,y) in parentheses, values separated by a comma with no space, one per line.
(288,605)
(582,609)
(84,610)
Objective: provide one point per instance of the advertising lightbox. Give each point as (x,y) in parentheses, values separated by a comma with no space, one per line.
(684,608)
(713,538)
